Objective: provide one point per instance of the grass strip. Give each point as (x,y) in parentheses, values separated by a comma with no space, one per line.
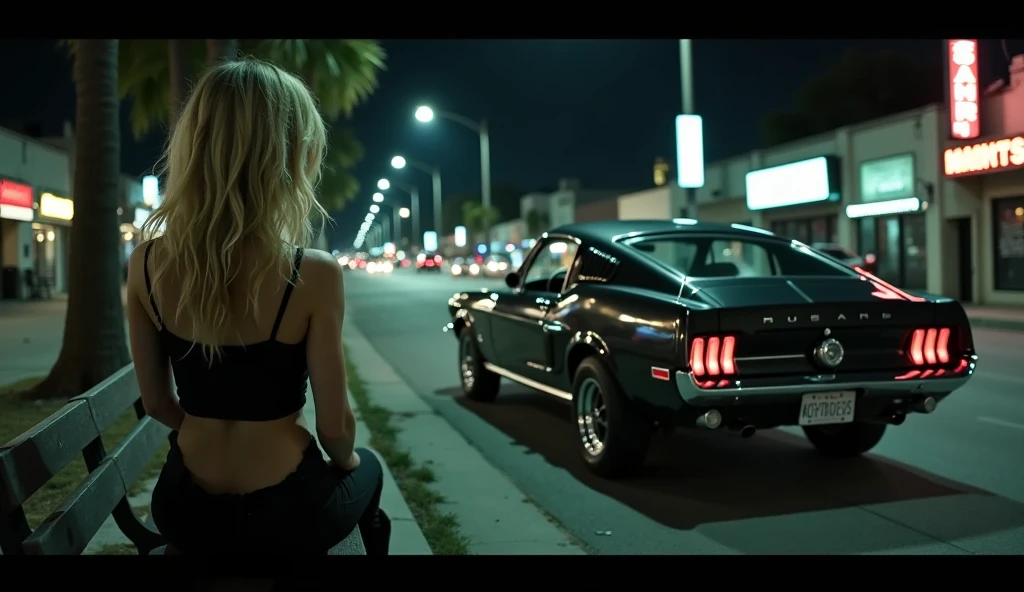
(439,528)
(20,412)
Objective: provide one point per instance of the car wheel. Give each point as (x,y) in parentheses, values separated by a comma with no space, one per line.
(613,437)
(845,440)
(478,383)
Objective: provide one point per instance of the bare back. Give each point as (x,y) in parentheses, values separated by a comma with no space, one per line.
(232,456)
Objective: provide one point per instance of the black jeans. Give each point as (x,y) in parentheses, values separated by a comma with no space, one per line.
(309,512)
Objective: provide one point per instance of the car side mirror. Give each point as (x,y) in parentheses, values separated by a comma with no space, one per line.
(512,280)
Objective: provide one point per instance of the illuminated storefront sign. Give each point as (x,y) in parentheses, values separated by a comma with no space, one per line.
(16,201)
(804,182)
(58,208)
(997,155)
(964,119)
(891,207)
(887,178)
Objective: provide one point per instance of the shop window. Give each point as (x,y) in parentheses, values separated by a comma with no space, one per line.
(1008,247)
(915,253)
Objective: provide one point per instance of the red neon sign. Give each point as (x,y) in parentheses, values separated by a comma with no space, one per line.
(15,194)
(964,120)
(996,155)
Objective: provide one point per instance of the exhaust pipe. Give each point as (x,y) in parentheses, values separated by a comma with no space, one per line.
(710,420)
(927,405)
(747,431)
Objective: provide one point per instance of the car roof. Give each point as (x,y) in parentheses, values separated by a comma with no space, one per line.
(612,229)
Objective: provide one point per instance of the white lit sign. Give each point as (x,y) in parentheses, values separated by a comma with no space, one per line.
(690,151)
(430,241)
(887,178)
(460,236)
(884,208)
(141,215)
(58,208)
(150,190)
(804,182)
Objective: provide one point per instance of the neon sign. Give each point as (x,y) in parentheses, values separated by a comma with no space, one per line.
(997,155)
(964,121)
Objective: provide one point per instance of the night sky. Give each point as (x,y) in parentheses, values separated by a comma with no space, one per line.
(599,110)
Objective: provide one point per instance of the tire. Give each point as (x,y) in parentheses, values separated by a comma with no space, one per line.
(478,383)
(845,440)
(620,448)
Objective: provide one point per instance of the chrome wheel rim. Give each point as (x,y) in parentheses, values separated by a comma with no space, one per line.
(591,417)
(466,363)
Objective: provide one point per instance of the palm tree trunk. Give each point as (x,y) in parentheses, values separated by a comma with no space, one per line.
(176,57)
(94,336)
(220,50)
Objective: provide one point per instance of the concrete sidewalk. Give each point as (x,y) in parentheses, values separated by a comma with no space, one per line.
(996,317)
(493,514)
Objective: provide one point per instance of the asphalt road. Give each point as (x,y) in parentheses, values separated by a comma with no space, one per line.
(948,483)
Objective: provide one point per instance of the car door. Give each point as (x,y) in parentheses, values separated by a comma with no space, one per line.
(520,319)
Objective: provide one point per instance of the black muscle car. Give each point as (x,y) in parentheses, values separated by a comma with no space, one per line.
(661,324)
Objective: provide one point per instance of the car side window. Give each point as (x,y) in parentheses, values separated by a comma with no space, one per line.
(551,263)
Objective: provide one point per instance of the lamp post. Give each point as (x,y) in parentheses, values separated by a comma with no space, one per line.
(400,162)
(396,226)
(686,79)
(425,114)
(414,196)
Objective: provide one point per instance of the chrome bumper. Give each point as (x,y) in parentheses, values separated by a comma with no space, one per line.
(699,397)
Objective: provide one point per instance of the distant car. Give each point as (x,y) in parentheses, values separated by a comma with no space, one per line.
(847,256)
(464,268)
(428,262)
(658,324)
(496,266)
(380,266)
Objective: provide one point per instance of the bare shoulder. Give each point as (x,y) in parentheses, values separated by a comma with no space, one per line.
(137,264)
(321,271)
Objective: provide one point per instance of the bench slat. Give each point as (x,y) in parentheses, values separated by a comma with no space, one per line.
(29,461)
(138,447)
(112,397)
(79,517)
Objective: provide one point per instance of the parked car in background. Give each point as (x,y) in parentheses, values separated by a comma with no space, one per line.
(464,268)
(659,324)
(428,262)
(847,256)
(496,266)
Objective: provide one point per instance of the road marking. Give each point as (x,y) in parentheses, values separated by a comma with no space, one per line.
(1002,422)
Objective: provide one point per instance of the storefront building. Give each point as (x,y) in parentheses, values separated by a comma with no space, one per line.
(798,200)
(17,211)
(51,234)
(983,163)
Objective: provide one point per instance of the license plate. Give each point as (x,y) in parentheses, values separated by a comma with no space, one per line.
(827,408)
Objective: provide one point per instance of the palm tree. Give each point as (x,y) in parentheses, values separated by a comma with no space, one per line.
(341,72)
(94,337)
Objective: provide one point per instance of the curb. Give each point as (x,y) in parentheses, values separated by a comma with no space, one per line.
(492,511)
(406,536)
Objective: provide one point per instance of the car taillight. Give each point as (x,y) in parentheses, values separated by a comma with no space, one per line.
(929,346)
(713,356)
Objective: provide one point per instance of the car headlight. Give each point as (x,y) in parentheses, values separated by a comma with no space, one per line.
(474,269)
(456,269)
(387,268)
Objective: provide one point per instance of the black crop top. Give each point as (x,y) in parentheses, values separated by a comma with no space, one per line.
(254,382)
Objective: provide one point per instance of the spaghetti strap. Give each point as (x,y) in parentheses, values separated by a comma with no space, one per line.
(287,293)
(149,285)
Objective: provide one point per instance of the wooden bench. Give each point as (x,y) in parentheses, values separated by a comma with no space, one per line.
(32,459)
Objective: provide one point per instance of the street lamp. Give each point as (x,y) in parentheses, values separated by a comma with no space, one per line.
(414,195)
(396,227)
(374,209)
(400,162)
(403,212)
(383,185)
(425,114)
(378,197)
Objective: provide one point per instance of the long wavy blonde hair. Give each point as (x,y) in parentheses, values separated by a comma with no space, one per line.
(241,168)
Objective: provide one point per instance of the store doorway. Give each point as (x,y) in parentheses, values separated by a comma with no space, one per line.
(964,259)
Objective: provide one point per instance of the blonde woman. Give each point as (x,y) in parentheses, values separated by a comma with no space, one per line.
(230,303)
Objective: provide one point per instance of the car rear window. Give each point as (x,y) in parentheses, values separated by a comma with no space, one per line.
(717,256)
